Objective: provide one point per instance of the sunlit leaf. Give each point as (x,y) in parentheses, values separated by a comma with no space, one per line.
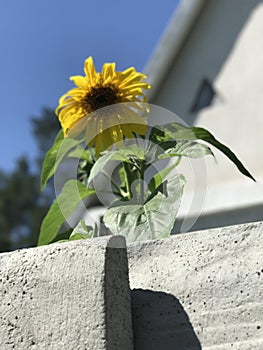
(61,147)
(159,178)
(152,220)
(80,153)
(205,135)
(171,133)
(186,148)
(81,231)
(168,134)
(71,195)
(126,154)
(48,167)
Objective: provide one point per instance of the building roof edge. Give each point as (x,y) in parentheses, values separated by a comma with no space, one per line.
(170,42)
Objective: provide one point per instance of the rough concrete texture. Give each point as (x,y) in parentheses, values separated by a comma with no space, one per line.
(200,290)
(66,296)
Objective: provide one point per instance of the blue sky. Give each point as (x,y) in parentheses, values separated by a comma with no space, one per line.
(45,42)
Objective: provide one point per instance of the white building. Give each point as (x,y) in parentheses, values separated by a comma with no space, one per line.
(208,69)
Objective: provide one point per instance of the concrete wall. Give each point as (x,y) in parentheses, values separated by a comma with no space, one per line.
(66,296)
(199,290)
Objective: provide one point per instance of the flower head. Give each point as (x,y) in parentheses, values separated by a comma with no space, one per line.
(80,108)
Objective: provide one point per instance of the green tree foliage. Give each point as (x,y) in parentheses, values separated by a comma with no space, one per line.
(45,129)
(22,205)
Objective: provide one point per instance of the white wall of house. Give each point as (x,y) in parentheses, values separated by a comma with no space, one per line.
(203,52)
(225,47)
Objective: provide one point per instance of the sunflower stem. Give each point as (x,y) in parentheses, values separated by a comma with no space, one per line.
(128,178)
(141,174)
(119,191)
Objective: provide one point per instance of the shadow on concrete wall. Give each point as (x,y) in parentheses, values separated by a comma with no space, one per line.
(160,322)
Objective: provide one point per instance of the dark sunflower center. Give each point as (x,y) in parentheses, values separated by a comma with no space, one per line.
(100,97)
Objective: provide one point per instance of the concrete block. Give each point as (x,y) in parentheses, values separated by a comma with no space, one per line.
(66,296)
(200,290)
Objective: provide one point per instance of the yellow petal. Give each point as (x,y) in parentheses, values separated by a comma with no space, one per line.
(139,129)
(80,81)
(90,70)
(128,130)
(132,78)
(91,129)
(117,133)
(107,139)
(108,71)
(75,93)
(127,72)
(65,102)
(127,115)
(99,144)
(62,104)
(77,127)
(67,110)
(137,85)
(69,121)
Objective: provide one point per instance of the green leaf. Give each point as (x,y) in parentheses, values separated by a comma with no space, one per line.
(128,153)
(172,132)
(152,220)
(122,155)
(57,152)
(63,236)
(81,231)
(80,153)
(159,178)
(186,148)
(48,167)
(205,135)
(71,195)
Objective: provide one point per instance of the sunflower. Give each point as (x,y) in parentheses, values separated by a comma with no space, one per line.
(106,105)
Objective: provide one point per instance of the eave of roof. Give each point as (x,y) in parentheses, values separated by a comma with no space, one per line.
(171,42)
